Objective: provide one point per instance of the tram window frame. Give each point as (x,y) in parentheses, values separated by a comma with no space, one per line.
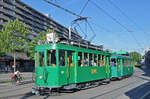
(80,59)
(43,59)
(99,60)
(129,62)
(103,60)
(63,55)
(51,58)
(109,60)
(86,59)
(124,62)
(113,60)
(118,62)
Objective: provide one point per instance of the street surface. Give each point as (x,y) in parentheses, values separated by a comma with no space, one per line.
(135,87)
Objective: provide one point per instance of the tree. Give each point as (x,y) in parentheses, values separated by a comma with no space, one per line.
(13,37)
(31,45)
(136,56)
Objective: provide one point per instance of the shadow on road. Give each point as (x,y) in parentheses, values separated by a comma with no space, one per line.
(26,82)
(27,95)
(142,91)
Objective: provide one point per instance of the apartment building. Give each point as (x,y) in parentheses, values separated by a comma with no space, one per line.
(34,20)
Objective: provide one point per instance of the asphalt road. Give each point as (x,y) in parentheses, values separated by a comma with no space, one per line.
(135,87)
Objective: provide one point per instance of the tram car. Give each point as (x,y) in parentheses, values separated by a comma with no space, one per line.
(121,65)
(73,65)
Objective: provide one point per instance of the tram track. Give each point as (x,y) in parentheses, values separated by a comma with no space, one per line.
(93,97)
(109,92)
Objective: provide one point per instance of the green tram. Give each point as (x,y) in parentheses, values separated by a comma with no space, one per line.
(74,65)
(69,67)
(121,65)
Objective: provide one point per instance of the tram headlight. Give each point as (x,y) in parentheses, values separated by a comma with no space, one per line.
(40,77)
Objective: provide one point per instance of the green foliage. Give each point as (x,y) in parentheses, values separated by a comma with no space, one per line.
(31,45)
(136,56)
(138,65)
(13,36)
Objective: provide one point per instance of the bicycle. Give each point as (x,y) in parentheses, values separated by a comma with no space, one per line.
(16,79)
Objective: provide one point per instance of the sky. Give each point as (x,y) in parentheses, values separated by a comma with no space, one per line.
(109,33)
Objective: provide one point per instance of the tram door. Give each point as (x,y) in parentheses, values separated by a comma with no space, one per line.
(70,66)
(66,67)
(118,67)
(40,67)
(108,67)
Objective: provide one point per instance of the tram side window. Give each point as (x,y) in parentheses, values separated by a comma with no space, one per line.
(41,58)
(95,60)
(118,62)
(80,59)
(99,60)
(70,58)
(124,62)
(113,62)
(51,58)
(62,58)
(103,60)
(90,60)
(86,60)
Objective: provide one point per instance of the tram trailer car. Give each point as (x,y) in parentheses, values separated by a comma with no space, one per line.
(121,65)
(69,67)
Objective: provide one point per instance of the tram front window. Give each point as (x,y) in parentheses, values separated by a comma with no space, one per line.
(62,58)
(51,58)
(41,58)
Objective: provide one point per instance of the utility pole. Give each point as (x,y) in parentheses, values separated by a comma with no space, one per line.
(14,62)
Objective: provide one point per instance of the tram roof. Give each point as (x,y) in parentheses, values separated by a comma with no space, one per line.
(70,47)
(120,56)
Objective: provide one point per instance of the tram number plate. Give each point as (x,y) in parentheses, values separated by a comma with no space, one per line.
(93,71)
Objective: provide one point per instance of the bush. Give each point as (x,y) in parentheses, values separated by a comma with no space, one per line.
(138,65)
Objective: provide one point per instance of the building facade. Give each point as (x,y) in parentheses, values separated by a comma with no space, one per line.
(34,20)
